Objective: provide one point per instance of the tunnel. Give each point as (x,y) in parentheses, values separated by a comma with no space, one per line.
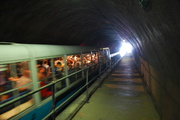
(152,27)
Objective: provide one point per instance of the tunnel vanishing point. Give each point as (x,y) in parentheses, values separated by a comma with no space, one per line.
(151,26)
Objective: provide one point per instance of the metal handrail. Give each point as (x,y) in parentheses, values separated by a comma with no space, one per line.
(86,85)
(37,90)
(57,108)
(52,84)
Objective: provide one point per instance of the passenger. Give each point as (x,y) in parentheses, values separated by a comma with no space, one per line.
(39,63)
(42,75)
(96,60)
(47,67)
(78,66)
(44,92)
(78,62)
(23,80)
(60,59)
(56,61)
(59,70)
(21,67)
(45,64)
(70,64)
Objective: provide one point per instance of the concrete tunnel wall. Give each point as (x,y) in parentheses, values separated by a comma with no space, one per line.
(159,62)
(154,33)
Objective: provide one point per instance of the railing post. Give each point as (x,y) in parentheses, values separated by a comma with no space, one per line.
(82,64)
(110,65)
(53,101)
(66,71)
(87,82)
(99,73)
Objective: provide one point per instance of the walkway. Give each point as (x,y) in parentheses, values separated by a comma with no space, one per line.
(121,97)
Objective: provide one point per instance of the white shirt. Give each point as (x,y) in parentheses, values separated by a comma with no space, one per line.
(23,81)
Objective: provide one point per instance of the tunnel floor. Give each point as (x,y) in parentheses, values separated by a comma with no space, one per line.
(122,96)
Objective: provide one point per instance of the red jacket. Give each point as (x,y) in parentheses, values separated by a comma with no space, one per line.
(44,92)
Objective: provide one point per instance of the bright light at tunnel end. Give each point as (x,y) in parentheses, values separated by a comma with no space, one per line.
(125,48)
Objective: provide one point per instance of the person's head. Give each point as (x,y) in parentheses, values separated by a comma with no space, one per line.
(78,65)
(41,69)
(69,66)
(58,64)
(61,58)
(26,73)
(45,62)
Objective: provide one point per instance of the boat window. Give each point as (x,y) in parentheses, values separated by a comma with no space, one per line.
(94,57)
(74,64)
(87,59)
(59,72)
(44,75)
(106,55)
(15,81)
(94,61)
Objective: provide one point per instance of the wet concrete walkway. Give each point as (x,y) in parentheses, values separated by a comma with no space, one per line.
(121,97)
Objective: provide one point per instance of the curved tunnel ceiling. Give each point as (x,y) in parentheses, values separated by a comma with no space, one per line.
(153,32)
(66,22)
